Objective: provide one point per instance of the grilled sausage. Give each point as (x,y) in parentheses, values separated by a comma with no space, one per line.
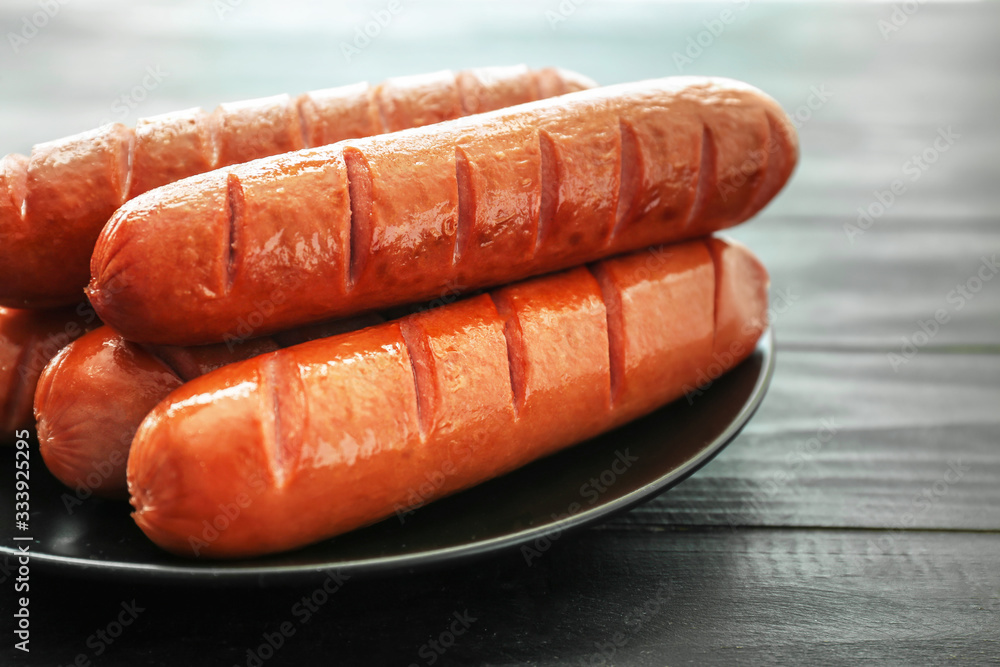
(470,203)
(53,205)
(317,439)
(28,340)
(94,394)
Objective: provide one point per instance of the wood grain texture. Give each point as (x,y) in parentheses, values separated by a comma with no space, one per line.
(844,441)
(869,547)
(653,597)
(829,292)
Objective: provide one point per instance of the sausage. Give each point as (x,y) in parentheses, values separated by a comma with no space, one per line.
(69,188)
(314,440)
(28,340)
(94,394)
(469,203)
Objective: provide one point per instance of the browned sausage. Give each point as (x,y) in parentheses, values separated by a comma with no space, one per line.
(28,340)
(70,187)
(94,394)
(321,438)
(473,202)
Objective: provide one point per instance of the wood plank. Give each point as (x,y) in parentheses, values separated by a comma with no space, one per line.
(908,450)
(830,292)
(747,596)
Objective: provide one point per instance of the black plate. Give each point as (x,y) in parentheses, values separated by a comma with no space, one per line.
(530,506)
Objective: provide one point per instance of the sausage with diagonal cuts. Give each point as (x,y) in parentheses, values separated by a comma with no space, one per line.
(327,436)
(468,203)
(54,203)
(94,394)
(28,340)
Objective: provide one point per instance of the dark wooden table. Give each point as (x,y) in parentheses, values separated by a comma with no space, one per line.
(857,516)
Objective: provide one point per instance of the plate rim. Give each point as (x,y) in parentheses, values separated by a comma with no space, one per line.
(226,573)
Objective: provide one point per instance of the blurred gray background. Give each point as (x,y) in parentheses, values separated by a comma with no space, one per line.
(91,53)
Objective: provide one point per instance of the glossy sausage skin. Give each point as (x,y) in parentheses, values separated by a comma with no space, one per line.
(54,204)
(94,394)
(412,215)
(321,438)
(28,340)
